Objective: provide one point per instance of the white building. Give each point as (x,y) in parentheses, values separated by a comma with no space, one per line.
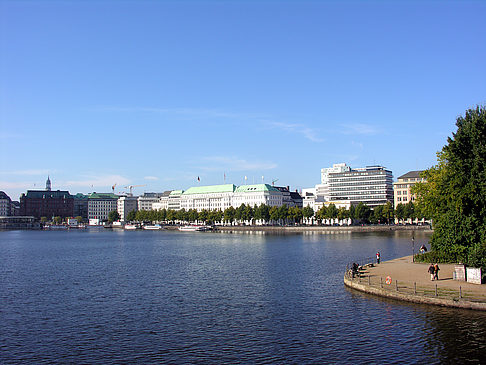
(212,197)
(125,205)
(101,204)
(323,189)
(371,185)
(174,200)
(163,201)
(146,201)
(309,197)
(255,195)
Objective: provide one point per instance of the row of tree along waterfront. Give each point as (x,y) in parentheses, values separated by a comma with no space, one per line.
(264,214)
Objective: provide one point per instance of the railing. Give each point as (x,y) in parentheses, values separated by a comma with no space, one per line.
(412,288)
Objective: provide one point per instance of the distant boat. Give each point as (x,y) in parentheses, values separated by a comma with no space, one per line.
(117,224)
(55,227)
(194,228)
(131,227)
(153,227)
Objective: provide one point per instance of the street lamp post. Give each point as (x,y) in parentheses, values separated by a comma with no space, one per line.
(413,246)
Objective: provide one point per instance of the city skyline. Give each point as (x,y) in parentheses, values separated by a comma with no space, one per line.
(162,94)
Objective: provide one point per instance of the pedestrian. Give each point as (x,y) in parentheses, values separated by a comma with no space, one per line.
(431,271)
(423,249)
(436,271)
(354,269)
(378,257)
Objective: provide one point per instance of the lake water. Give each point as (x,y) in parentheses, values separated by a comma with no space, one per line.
(102,296)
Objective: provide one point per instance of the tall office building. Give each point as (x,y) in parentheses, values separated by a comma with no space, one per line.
(371,185)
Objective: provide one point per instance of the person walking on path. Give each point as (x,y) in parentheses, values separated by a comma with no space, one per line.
(378,257)
(431,271)
(436,271)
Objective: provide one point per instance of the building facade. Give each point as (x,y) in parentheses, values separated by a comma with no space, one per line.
(221,197)
(5,205)
(47,203)
(125,205)
(402,188)
(290,198)
(371,185)
(257,194)
(44,203)
(15,208)
(80,205)
(174,200)
(147,200)
(212,197)
(163,202)
(101,204)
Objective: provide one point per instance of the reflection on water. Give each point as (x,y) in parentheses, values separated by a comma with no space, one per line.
(214,297)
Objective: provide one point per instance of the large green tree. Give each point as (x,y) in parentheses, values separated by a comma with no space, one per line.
(454,195)
(113,216)
(308,212)
(229,214)
(362,212)
(131,215)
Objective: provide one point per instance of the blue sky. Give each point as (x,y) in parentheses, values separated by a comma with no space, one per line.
(158,93)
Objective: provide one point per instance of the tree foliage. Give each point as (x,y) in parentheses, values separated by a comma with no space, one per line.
(454,195)
(113,216)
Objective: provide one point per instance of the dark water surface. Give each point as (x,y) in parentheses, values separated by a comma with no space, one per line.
(171,297)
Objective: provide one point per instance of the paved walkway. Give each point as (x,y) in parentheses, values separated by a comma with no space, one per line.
(404,270)
(411,282)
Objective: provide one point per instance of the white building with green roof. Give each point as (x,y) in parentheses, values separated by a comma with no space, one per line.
(211,197)
(257,194)
(214,197)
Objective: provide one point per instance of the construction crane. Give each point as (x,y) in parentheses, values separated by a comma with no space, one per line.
(131,187)
(274,181)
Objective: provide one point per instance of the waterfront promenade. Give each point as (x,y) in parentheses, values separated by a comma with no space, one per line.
(326,229)
(411,282)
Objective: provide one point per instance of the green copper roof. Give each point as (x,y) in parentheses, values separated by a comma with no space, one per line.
(80,196)
(255,188)
(176,192)
(102,196)
(43,194)
(227,188)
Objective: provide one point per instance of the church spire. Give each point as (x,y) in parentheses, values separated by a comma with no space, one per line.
(48,184)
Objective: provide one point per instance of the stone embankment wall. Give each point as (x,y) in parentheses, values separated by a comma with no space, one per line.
(444,302)
(370,228)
